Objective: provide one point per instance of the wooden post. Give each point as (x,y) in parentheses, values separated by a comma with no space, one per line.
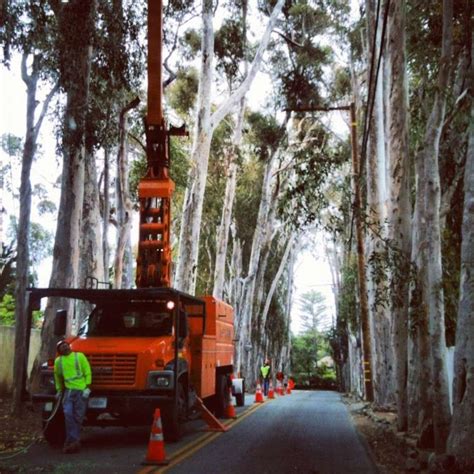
(364,304)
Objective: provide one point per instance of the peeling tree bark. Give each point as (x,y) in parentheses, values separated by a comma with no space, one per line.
(124,204)
(432,245)
(224,227)
(462,427)
(400,207)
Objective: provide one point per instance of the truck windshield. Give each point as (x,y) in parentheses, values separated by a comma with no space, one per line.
(127,321)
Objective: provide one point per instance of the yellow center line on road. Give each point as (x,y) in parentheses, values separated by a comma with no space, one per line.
(198,444)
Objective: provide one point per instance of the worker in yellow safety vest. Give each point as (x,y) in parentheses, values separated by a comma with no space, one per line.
(265,373)
(72,376)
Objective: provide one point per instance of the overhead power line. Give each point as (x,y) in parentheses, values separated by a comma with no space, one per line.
(373,80)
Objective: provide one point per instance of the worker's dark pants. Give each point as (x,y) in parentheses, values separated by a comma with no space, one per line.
(74,407)
(266,384)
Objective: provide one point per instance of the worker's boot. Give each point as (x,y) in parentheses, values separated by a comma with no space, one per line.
(73,447)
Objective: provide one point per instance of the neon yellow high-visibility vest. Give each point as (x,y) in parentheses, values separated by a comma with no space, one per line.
(265,369)
(72,371)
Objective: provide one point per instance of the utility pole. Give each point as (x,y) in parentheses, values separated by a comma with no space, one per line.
(363,300)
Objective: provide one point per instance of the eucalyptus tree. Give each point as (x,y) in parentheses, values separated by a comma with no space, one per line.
(231,50)
(462,426)
(205,125)
(29,29)
(400,206)
(376,168)
(75,29)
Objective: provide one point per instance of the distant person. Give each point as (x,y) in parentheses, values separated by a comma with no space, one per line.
(265,373)
(280,377)
(72,376)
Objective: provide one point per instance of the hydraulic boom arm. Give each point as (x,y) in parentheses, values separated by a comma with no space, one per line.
(156,188)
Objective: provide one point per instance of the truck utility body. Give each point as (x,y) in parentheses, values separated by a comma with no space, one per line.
(148,348)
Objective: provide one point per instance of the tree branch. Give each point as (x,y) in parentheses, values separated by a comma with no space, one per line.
(44,109)
(230,103)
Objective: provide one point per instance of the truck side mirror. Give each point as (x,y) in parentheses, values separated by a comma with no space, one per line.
(183,325)
(60,322)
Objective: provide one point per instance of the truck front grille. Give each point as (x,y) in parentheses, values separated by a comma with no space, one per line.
(113,369)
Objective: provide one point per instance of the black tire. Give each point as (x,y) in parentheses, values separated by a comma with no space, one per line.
(222,395)
(54,430)
(174,416)
(240,397)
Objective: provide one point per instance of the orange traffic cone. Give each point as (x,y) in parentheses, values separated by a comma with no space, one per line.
(156,446)
(229,411)
(271,392)
(288,390)
(259,395)
(280,390)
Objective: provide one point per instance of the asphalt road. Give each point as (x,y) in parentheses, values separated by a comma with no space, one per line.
(306,432)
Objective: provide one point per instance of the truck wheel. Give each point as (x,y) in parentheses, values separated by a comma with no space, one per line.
(54,430)
(222,395)
(173,417)
(240,397)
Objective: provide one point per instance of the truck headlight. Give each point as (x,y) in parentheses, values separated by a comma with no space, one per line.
(161,379)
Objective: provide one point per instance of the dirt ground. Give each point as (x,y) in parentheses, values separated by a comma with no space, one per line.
(390,452)
(394,452)
(17,433)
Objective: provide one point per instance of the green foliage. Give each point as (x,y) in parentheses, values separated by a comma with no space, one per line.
(11,144)
(229,47)
(312,310)
(264,134)
(40,245)
(7,268)
(30,27)
(7,312)
(298,60)
(314,161)
(191,44)
(347,299)
(247,201)
(181,94)
(117,69)
(451,245)
(307,349)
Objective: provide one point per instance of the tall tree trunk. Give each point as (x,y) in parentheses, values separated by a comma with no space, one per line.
(224,227)
(124,204)
(431,247)
(419,357)
(75,58)
(91,235)
(400,207)
(22,325)
(382,354)
(205,126)
(462,426)
(106,215)
(243,329)
(276,279)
